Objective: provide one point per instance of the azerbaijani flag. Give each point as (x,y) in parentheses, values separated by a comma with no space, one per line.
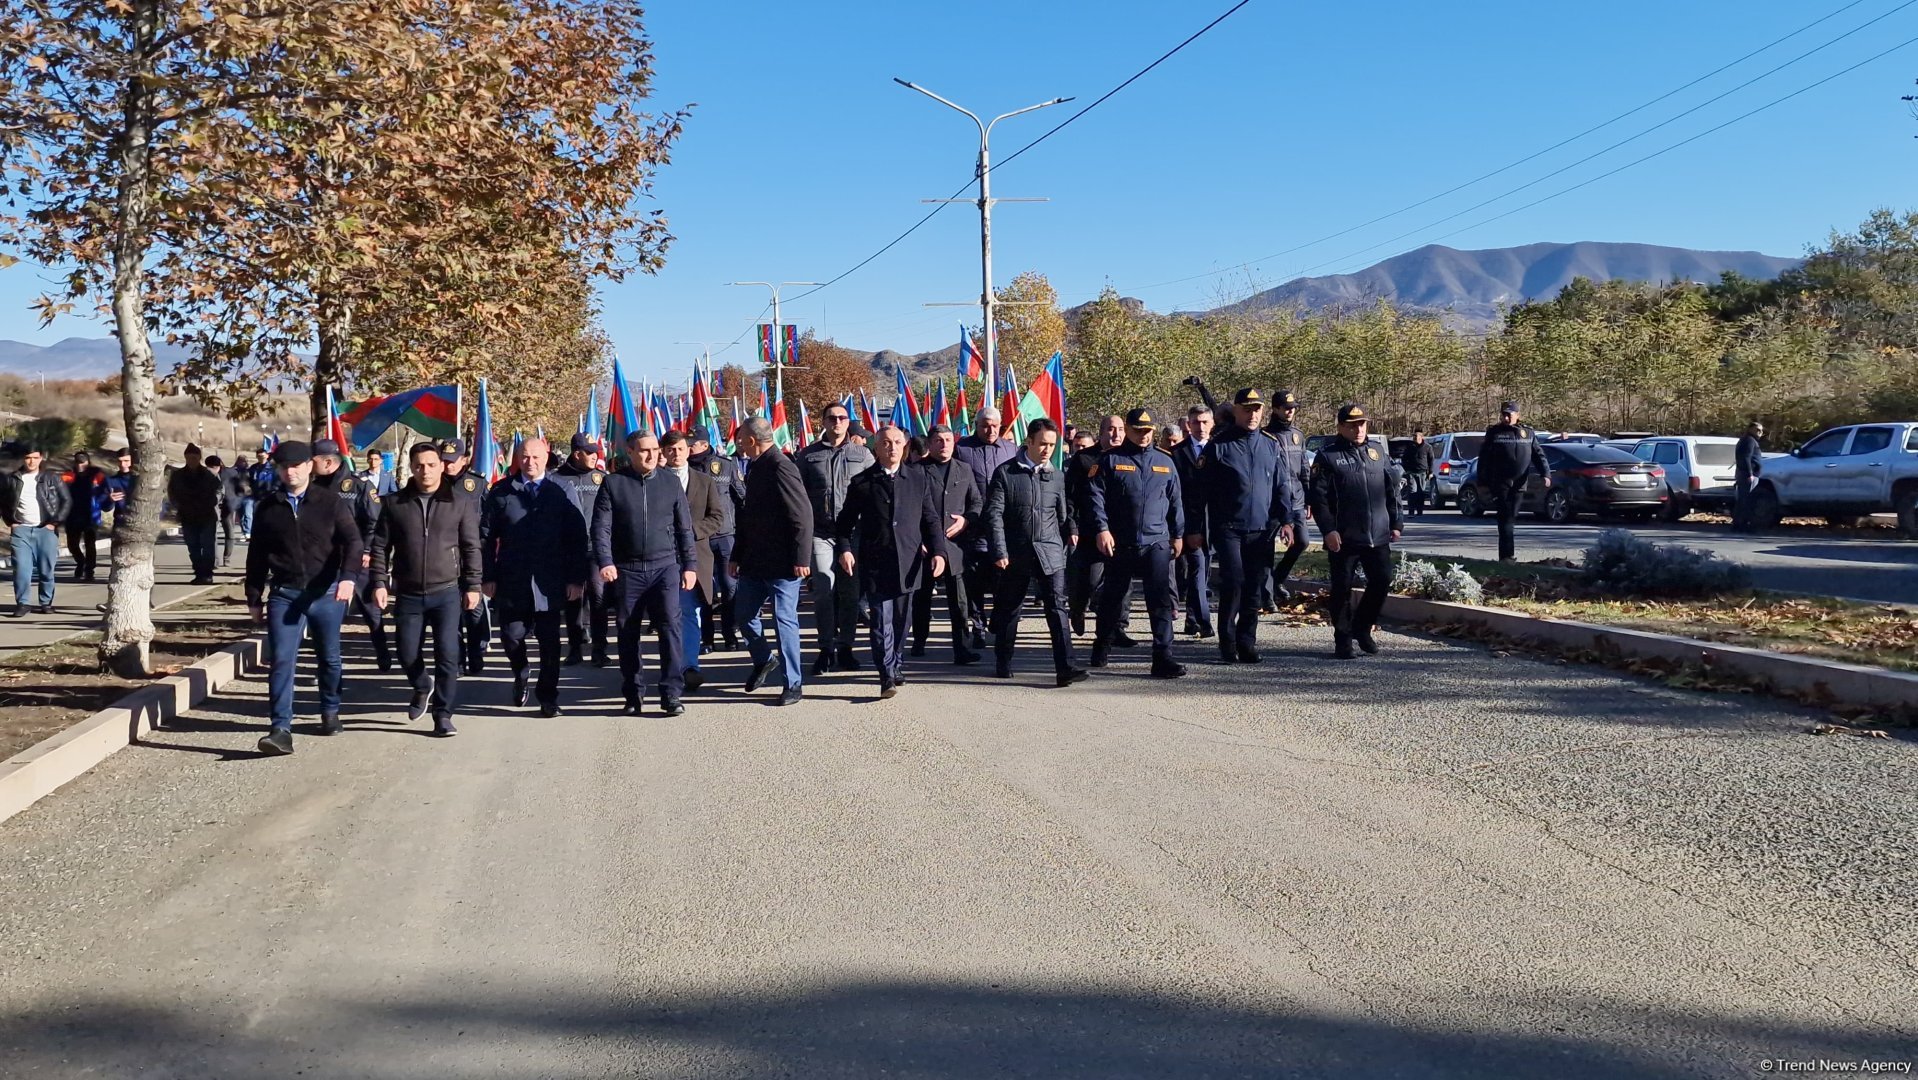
(591,419)
(971,364)
(782,437)
(433,411)
(902,410)
(334,429)
(767,343)
(1009,406)
(805,424)
(940,413)
(705,409)
(1050,387)
(485,447)
(765,400)
(624,417)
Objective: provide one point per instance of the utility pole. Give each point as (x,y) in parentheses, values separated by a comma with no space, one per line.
(779,341)
(986,300)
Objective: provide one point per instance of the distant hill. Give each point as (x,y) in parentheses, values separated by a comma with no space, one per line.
(76,358)
(1473,286)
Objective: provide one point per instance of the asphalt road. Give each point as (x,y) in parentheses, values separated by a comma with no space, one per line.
(1808,559)
(1435,863)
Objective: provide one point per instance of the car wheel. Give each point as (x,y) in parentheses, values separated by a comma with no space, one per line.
(1675,509)
(1558,507)
(1906,504)
(1766,513)
(1468,504)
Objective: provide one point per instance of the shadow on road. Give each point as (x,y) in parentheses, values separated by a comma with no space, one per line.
(924,1030)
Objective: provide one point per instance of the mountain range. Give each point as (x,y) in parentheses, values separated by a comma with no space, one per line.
(76,358)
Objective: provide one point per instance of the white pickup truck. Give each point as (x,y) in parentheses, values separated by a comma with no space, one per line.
(1842,474)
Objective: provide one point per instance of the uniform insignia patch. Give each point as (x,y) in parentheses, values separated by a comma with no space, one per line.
(470,483)
(599,478)
(374,498)
(1294,436)
(346,486)
(1160,468)
(714,466)
(1125,468)
(1372,452)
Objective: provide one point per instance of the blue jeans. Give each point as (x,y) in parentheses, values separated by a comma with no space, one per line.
(752,594)
(290,613)
(246,517)
(34,552)
(690,632)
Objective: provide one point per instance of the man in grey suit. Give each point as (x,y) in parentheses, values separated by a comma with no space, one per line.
(1029,532)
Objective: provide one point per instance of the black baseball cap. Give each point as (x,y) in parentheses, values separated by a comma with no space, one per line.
(1351,411)
(584,443)
(292,453)
(1509,407)
(1284,400)
(452,450)
(1140,418)
(324,447)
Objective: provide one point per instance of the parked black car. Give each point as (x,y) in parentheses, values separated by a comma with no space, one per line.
(1586,479)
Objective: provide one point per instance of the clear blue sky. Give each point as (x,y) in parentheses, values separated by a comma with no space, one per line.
(1287,122)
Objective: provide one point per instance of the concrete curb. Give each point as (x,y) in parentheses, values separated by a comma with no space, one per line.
(37,771)
(1795,676)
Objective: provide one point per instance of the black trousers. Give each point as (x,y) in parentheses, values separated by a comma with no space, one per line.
(1015,581)
(1416,486)
(1195,567)
(954,586)
(1245,564)
(228,526)
(1377,561)
(588,617)
(1282,571)
(83,543)
(375,623)
(1085,579)
(1152,565)
(476,629)
(1742,504)
(719,613)
(515,623)
(1505,497)
(648,593)
(413,614)
(886,621)
(199,546)
(982,581)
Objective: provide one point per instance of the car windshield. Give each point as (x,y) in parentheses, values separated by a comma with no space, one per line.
(1712,453)
(1465,447)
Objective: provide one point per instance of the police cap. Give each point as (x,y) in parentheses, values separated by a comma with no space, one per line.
(1352,411)
(1284,400)
(1509,407)
(292,453)
(699,433)
(584,443)
(1140,418)
(1248,396)
(452,450)
(324,447)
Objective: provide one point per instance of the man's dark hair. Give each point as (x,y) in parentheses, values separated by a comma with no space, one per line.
(1040,424)
(1197,411)
(420,450)
(671,438)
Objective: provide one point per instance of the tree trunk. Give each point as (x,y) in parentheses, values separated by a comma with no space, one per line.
(334,328)
(128,634)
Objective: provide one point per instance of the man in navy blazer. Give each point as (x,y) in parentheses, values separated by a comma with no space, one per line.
(889,534)
(533,563)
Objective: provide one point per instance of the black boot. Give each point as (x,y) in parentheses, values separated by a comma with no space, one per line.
(1099,653)
(822,665)
(1342,648)
(1364,638)
(1164,667)
(520,693)
(846,661)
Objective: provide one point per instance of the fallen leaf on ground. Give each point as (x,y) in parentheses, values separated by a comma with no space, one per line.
(1847,729)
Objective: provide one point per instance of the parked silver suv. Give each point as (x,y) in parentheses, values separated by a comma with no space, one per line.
(1452,453)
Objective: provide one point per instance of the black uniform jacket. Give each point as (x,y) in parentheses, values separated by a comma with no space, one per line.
(891,525)
(311,552)
(954,491)
(1026,516)
(536,536)
(643,519)
(1748,460)
(1239,486)
(732,486)
(424,542)
(775,523)
(1509,451)
(1353,495)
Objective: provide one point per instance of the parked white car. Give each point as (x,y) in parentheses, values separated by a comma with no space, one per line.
(1698,471)
(1455,451)
(1842,474)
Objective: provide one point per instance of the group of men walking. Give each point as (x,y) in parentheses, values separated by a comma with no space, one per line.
(690,546)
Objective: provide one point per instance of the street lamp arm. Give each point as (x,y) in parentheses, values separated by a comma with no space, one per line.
(1027,109)
(960,108)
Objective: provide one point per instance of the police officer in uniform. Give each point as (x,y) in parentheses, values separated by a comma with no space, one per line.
(476,623)
(1291,462)
(1355,502)
(1138,518)
(1240,500)
(329,472)
(1507,458)
(718,615)
(586,618)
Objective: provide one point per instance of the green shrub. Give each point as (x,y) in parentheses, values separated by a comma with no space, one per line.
(1624,564)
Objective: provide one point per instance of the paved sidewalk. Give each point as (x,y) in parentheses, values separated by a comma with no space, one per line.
(74,610)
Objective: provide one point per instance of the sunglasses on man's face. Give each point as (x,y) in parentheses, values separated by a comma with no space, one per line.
(834,419)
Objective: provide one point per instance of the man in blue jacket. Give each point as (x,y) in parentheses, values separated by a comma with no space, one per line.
(643,547)
(1241,499)
(532,564)
(1138,519)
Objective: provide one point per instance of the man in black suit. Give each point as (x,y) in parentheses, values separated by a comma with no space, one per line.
(959,500)
(643,545)
(1194,563)
(1029,528)
(533,564)
(887,533)
(771,555)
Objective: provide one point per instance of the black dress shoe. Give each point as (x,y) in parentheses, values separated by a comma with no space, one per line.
(846,661)
(978,641)
(918,648)
(19,611)
(521,694)
(1249,656)
(1001,671)
(792,696)
(1366,644)
(732,642)
(1205,632)
(1123,640)
(1074,675)
(549,710)
(600,659)
(574,657)
(694,677)
(43,609)
(384,662)
(757,678)
(823,665)
(670,706)
(1167,668)
(632,708)
(444,729)
(418,707)
(1078,626)
(330,724)
(276,743)
(965,659)
(1342,648)
(1099,654)
(1228,655)
(888,691)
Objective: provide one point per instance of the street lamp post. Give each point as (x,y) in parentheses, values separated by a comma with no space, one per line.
(985,200)
(779,345)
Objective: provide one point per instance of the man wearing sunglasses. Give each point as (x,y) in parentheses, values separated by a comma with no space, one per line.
(827,467)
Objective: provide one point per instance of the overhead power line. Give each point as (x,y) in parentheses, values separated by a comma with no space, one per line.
(1768,46)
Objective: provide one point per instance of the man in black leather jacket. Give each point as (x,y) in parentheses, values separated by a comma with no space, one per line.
(1355,503)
